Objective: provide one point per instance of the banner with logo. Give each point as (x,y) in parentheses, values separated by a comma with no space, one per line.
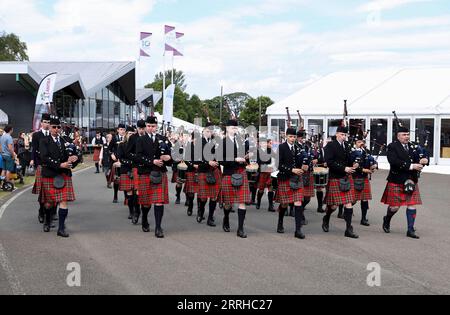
(168,105)
(44,99)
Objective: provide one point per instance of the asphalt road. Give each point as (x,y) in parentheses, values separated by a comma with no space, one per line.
(117,258)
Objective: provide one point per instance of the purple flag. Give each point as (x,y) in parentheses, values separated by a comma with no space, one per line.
(145,35)
(168,29)
(145,44)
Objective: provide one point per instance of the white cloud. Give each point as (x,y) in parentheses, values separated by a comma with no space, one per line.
(381,5)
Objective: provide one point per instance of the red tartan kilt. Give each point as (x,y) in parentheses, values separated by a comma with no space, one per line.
(231,195)
(265,181)
(286,195)
(366,194)
(150,194)
(174,179)
(309,191)
(394,196)
(190,187)
(37,181)
(126,183)
(207,191)
(49,194)
(335,197)
(96,157)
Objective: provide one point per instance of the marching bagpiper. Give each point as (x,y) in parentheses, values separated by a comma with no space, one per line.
(235,187)
(340,189)
(154,155)
(131,155)
(56,185)
(191,184)
(305,155)
(290,183)
(36,161)
(117,140)
(209,175)
(126,183)
(367,166)
(406,161)
(265,156)
(97,144)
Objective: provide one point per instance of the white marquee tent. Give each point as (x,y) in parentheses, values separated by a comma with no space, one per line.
(420,96)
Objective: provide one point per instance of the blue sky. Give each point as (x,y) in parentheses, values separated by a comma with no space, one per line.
(270,47)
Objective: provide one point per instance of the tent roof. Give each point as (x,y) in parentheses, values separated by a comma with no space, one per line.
(378,92)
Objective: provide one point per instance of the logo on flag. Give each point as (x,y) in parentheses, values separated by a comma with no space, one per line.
(145,44)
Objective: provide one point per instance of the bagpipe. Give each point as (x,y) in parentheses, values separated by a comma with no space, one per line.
(73,150)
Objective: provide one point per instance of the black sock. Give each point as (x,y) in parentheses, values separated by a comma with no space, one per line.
(364,209)
(116,191)
(131,204)
(62,218)
(145,212)
(190,202)
(306,201)
(159,213)
(179,192)
(390,213)
(253,190)
(48,215)
(97,167)
(348,216)
(137,207)
(281,214)
(212,209)
(270,196)
(320,199)
(202,207)
(299,217)
(41,210)
(241,218)
(260,195)
(330,211)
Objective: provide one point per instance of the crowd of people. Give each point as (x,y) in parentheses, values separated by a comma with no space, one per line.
(231,169)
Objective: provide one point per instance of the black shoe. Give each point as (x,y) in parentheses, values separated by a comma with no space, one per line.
(190,212)
(258,206)
(135,219)
(115,201)
(200,218)
(300,235)
(326,225)
(55,218)
(365,222)
(211,223)
(46,228)
(159,233)
(350,234)
(340,216)
(63,234)
(320,210)
(130,217)
(271,208)
(232,211)
(280,229)
(412,235)
(41,219)
(291,213)
(109,186)
(146,228)
(386,225)
(241,234)
(178,201)
(226,226)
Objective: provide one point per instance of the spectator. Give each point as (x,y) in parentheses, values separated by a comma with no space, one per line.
(8,154)
(23,152)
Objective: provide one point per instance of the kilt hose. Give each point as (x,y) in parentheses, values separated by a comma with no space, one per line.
(150,194)
(37,181)
(126,183)
(309,191)
(286,195)
(366,193)
(264,181)
(231,195)
(207,191)
(335,197)
(394,196)
(50,194)
(191,185)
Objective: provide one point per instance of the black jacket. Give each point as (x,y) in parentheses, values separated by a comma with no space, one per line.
(338,159)
(130,150)
(35,143)
(202,160)
(287,161)
(126,164)
(52,156)
(147,151)
(400,162)
(265,159)
(228,152)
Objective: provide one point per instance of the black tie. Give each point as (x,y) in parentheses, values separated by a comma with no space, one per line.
(293,150)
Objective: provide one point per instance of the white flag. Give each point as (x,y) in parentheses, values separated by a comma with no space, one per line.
(145,44)
(168,104)
(44,99)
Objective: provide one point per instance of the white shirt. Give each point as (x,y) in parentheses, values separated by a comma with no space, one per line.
(103,139)
(45,132)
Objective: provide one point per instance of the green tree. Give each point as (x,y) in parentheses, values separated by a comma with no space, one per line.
(178,78)
(11,48)
(250,114)
(235,102)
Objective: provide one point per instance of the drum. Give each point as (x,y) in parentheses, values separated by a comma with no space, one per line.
(252,172)
(321,176)
(182,169)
